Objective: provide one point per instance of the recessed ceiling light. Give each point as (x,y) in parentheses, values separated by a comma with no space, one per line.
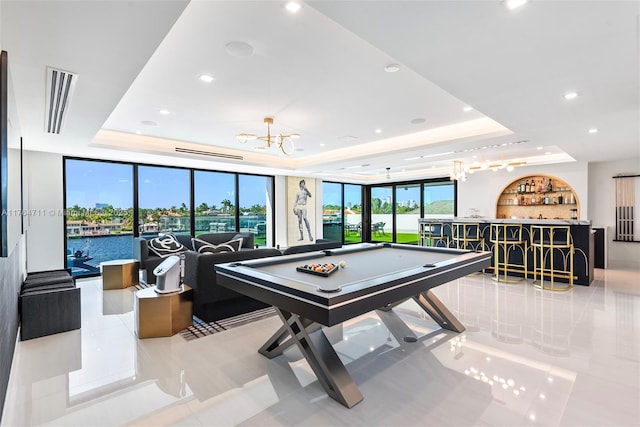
(292,6)
(206,78)
(238,48)
(392,68)
(467,109)
(378,130)
(546,153)
(149,123)
(570,95)
(322,144)
(538,148)
(514,4)
(417,121)
(138,132)
(165,112)
(593,130)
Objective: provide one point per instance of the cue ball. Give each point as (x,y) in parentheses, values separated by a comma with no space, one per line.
(343,264)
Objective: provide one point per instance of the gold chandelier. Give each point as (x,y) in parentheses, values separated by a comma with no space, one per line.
(460,171)
(284,142)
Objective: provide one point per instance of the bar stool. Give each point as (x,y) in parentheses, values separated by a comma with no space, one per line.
(508,237)
(433,233)
(467,235)
(546,241)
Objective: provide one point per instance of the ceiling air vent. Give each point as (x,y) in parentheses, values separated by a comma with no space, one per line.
(209,153)
(60,85)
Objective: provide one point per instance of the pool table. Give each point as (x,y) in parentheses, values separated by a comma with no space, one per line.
(374,277)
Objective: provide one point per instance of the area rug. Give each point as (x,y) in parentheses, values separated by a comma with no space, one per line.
(200,328)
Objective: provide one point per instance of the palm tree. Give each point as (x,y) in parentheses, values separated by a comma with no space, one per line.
(226,205)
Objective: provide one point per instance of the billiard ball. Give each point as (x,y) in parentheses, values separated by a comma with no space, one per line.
(343,264)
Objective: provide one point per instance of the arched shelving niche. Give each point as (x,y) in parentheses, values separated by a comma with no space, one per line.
(538,200)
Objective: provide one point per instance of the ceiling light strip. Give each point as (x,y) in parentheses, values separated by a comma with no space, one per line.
(208,153)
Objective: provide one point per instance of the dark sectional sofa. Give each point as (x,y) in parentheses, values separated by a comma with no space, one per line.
(149,261)
(213,302)
(210,301)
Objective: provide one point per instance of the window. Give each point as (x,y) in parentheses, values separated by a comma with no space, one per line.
(214,201)
(256,209)
(407,213)
(352,213)
(439,200)
(382,214)
(396,208)
(332,211)
(163,200)
(99,214)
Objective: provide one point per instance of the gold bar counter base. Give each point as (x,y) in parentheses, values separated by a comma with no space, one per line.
(119,274)
(163,315)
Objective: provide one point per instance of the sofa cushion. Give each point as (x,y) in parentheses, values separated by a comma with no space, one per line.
(165,246)
(202,246)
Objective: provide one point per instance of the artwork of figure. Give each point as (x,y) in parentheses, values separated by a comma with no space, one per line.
(300,210)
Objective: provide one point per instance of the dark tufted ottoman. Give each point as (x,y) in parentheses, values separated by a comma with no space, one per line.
(49,303)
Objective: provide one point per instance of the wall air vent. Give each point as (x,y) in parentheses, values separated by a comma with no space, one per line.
(60,85)
(208,153)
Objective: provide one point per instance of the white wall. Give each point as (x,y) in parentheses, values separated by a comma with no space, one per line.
(602,209)
(481,189)
(45,234)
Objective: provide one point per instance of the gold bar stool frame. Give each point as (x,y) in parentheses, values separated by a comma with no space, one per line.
(547,242)
(508,237)
(466,235)
(433,232)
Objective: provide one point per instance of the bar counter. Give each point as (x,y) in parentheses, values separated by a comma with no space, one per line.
(581,233)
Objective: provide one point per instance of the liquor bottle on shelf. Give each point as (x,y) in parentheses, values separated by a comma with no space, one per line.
(527,187)
(549,185)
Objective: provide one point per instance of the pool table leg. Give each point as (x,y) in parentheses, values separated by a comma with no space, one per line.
(319,353)
(280,341)
(438,311)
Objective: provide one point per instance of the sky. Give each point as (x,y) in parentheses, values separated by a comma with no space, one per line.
(331,193)
(90,182)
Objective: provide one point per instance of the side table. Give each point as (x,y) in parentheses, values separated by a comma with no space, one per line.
(163,315)
(119,273)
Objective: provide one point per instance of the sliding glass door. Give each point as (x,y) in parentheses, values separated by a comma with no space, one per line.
(396,208)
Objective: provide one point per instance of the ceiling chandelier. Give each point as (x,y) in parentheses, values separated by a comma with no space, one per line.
(459,171)
(284,142)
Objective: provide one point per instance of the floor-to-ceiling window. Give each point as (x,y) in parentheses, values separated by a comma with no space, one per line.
(164,200)
(396,208)
(382,214)
(439,199)
(102,199)
(99,213)
(214,196)
(332,211)
(352,213)
(407,213)
(254,200)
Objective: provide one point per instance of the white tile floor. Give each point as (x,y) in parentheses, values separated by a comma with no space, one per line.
(528,358)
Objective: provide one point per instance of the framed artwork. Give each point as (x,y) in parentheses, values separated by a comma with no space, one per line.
(301,210)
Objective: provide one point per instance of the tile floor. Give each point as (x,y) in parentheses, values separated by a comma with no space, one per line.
(527,358)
